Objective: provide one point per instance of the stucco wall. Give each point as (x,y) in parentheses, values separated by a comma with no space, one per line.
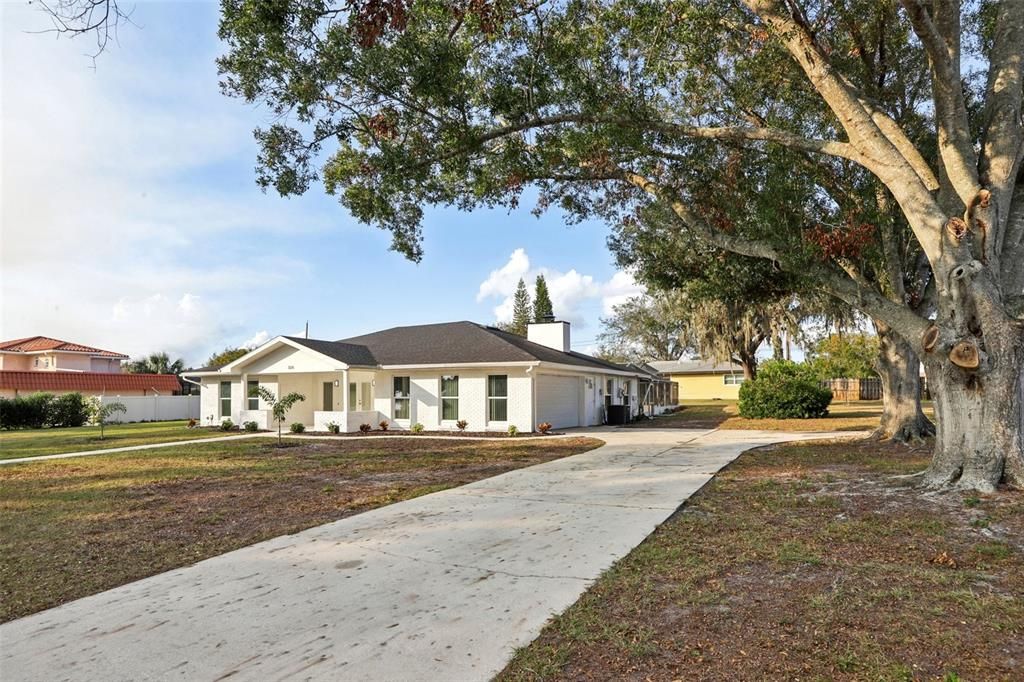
(72,362)
(15,363)
(705,387)
(425,406)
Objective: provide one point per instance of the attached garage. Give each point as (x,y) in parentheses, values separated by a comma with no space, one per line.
(558,400)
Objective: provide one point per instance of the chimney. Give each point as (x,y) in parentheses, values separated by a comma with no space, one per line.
(549,333)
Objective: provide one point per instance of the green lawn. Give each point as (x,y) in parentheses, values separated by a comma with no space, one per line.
(36,442)
(74,527)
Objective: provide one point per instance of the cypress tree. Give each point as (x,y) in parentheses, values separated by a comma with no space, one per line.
(542,301)
(522,310)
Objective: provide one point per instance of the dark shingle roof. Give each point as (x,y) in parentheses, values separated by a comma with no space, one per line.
(462,342)
(444,344)
(349,353)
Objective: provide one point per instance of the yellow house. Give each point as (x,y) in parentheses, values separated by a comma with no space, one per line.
(701,380)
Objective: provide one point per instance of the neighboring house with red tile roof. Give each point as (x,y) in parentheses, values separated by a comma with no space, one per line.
(46,354)
(42,363)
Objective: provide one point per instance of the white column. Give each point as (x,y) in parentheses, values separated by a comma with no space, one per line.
(344,391)
(245,397)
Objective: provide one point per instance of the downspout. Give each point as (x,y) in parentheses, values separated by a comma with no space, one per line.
(533,395)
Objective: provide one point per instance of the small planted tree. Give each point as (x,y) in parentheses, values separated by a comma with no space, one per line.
(105,411)
(278,406)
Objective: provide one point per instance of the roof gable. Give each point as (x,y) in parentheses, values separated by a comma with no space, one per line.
(34,344)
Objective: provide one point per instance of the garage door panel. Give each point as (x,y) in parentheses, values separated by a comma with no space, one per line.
(558,400)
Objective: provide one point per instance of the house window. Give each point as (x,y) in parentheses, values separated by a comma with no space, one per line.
(497,398)
(225,398)
(449,398)
(401,396)
(732,379)
(625,392)
(254,400)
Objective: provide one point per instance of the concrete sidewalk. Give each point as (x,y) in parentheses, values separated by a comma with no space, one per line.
(441,587)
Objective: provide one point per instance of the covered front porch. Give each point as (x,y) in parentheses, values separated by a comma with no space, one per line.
(339,383)
(343,398)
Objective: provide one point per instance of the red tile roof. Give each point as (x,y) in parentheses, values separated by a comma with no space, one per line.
(92,382)
(38,343)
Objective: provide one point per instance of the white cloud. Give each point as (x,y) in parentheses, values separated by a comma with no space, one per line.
(503,281)
(124,220)
(257,339)
(576,297)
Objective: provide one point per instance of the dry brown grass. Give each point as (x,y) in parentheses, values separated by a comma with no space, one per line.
(724,414)
(808,562)
(75,527)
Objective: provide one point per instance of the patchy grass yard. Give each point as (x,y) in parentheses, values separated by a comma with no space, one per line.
(811,562)
(74,527)
(724,414)
(36,442)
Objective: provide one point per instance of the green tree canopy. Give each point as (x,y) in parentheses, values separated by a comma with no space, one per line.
(156,363)
(844,356)
(225,356)
(610,109)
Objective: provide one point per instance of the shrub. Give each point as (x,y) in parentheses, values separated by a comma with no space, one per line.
(332,427)
(417,428)
(544,427)
(227,425)
(297,427)
(461,424)
(26,412)
(512,430)
(784,390)
(365,428)
(251,426)
(384,425)
(70,409)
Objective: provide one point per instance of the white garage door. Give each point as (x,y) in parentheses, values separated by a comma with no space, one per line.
(558,400)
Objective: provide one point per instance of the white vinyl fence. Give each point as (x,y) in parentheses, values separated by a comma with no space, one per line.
(154,408)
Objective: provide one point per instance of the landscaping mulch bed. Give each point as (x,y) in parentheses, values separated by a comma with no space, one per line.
(806,562)
(74,527)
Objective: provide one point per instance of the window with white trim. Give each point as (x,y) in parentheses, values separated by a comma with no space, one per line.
(497,398)
(253,399)
(401,395)
(225,399)
(449,398)
(732,379)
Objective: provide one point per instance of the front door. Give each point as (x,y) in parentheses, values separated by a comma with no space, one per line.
(360,396)
(328,396)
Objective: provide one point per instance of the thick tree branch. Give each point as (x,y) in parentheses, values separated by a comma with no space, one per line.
(1002,141)
(942,44)
(882,156)
(857,292)
(725,133)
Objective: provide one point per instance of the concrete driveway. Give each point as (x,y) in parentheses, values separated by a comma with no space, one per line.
(442,587)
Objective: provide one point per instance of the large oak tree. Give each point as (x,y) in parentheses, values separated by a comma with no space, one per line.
(604,107)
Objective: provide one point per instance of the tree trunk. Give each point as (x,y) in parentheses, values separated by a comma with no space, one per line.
(749,363)
(978,410)
(899,369)
(778,353)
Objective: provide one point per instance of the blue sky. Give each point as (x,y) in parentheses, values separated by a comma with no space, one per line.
(130,218)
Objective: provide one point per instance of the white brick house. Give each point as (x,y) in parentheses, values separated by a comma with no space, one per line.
(434,375)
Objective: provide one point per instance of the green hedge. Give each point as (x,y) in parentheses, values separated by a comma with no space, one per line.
(44,409)
(784,390)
